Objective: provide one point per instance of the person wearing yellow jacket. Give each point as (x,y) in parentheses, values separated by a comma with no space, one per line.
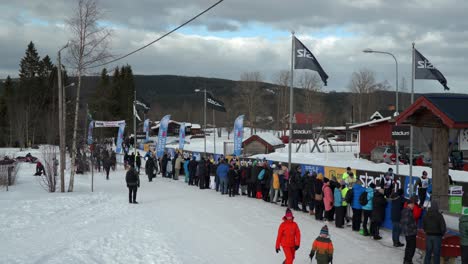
(275,185)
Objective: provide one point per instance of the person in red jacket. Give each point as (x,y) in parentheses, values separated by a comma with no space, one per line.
(417,211)
(289,237)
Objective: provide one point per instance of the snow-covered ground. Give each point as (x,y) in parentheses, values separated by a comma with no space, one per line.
(173,223)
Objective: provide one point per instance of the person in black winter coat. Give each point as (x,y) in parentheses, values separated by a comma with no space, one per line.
(192,170)
(164,161)
(308,191)
(378,213)
(201,171)
(266,183)
(232,178)
(244,175)
(293,187)
(138,162)
(208,170)
(149,168)
(133,182)
(252,180)
(410,230)
(398,200)
(107,166)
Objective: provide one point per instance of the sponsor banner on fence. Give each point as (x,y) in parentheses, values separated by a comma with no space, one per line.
(331,172)
(108,123)
(320,170)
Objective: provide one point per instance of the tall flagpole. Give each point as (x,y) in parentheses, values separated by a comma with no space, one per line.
(411,128)
(291,100)
(214,134)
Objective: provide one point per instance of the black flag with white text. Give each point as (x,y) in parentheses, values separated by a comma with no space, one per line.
(425,70)
(214,103)
(304,59)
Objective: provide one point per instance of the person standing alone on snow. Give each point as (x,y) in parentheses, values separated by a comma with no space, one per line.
(133,182)
(322,248)
(289,237)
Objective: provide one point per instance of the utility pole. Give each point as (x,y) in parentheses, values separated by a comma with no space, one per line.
(134,129)
(204,119)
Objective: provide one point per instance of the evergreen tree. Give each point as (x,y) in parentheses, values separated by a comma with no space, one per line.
(30,65)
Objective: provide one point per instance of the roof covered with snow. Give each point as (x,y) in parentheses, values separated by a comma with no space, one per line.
(371,122)
(268,138)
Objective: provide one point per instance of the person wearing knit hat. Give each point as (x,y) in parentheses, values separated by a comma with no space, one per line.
(322,247)
(289,237)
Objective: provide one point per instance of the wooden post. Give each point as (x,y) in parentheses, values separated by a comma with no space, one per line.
(440,139)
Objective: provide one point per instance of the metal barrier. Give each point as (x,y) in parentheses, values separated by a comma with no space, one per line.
(8,174)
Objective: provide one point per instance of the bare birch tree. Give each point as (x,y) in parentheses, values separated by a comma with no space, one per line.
(282,107)
(362,84)
(89,45)
(311,85)
(250,93)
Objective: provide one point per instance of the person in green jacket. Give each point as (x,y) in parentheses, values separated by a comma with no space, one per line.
(463,227)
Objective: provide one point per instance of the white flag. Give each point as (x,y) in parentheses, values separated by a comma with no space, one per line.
(136,113)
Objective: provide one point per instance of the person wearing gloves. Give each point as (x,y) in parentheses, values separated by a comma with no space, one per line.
(322,248)
(289,237)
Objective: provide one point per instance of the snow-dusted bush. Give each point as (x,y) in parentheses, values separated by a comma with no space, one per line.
(50,162)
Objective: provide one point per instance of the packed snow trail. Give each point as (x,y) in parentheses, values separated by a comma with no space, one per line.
(174,223)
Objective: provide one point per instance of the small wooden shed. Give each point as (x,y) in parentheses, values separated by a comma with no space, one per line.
(261,143)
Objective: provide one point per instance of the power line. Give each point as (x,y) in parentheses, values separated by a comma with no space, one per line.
(158,39)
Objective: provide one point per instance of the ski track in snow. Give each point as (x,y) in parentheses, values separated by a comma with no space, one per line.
(174,223)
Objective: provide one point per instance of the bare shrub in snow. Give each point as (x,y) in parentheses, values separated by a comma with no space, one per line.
(49,178)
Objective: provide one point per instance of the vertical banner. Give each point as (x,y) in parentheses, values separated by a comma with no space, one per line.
(182,136)
(146,129)
(118,148)
(90,132)
(162,135)
(238,135)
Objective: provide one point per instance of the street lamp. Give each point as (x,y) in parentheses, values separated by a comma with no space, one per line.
(396,96)
(204,116)
(61,104)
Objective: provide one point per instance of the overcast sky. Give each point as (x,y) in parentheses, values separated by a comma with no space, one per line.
(254,35)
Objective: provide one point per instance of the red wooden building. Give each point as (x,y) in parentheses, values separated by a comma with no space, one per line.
(374,133)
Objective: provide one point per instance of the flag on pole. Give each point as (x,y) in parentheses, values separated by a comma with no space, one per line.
(238,135)
(182,136)
(135,112)
(214,103)
(304,59)
(142,105)
(426,71)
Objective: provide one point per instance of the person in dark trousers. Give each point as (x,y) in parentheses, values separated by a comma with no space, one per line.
(308,191)
(338,204)
(208,171)
(201,170)
(294,181)
(149,168)
(107,164)
(387,184)
(319,206)
(422,184)
(397,199)
(435,228)
(463,228)
(133,183)
(283,186)
(378,213)
(244,175)
(367,208)
(410,230)
(164,161)
(357,190)
(138,161)
(192,170)
(232,176)
(252,179)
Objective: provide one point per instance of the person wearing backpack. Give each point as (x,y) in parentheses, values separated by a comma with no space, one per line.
(319,206)
(366,201)
(356,205)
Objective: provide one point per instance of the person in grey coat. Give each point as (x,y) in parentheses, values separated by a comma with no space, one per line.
(410,230)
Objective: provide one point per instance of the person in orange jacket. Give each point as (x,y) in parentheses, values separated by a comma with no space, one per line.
(289,237)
